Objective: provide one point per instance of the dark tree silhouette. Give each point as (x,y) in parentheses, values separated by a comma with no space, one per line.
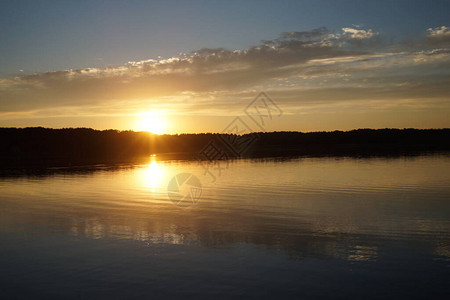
(27,147)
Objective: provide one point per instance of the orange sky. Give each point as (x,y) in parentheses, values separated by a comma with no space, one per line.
(320,79)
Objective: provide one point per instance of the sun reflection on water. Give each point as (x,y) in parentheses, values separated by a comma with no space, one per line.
(155,175)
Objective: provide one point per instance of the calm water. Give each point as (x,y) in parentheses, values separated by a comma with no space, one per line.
(301,228)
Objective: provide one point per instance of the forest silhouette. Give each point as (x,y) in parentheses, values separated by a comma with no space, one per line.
(37,146)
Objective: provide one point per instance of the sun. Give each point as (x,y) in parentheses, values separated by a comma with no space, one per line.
(151,121)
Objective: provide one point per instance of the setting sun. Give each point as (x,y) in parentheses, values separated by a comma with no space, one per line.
(151,121)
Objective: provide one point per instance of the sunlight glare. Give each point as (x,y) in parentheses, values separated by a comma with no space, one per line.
(151,121)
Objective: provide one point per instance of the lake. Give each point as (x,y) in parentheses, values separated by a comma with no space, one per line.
(330,227)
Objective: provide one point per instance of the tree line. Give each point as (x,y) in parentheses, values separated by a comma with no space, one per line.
(72,146)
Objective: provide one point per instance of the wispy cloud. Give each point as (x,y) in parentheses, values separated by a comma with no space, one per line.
(359,34)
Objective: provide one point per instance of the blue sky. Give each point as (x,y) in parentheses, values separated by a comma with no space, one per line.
(194,64)
(47,35)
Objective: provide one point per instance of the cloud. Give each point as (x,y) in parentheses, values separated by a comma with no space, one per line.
(359,34)
(318,33)
(439,36)
(319,59)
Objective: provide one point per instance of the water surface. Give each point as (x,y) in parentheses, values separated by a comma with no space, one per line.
(306,227)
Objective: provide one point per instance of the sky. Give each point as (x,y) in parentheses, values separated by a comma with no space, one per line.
(193,66)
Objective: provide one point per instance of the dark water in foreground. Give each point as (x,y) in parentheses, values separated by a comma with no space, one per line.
(303,228)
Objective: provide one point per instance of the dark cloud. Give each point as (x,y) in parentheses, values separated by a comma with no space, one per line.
(315,34)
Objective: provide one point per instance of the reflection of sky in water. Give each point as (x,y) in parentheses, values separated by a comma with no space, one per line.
(383,215)
(318,207)
(360,253)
